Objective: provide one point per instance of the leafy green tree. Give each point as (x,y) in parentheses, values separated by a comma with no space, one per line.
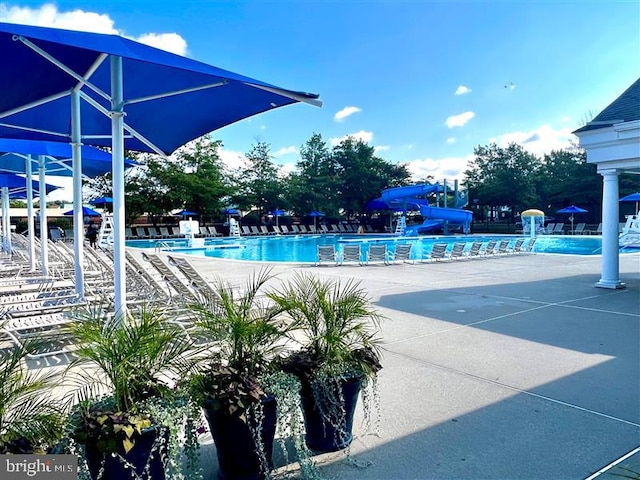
(259,185)
(193,178)
(315,184)
(363,175)
(565,178)
(503,177)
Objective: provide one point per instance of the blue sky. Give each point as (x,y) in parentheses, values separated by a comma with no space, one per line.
(423,82)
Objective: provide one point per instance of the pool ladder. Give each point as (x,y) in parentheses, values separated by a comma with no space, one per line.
(160,246)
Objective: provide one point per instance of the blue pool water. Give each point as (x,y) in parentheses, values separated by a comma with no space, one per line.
(303,248)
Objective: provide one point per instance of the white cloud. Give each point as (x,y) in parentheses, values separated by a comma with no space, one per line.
(538,141)
(381,148)
(171,42)
(462,90)
(366,137)
(48,15)
(285,151)
(450,168)
(459,120)
(287,168)
(345,112)
(451,140)
(231,159)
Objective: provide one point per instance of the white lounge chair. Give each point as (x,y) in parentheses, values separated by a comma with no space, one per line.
(327,254)
(351,254)
(438,252)
(402,253)
(457,251)
(378,254)
(474,251)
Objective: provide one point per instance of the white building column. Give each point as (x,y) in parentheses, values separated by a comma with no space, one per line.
(610,219)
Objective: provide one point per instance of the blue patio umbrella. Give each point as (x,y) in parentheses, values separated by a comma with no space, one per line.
(632,197)
(185,213)
(230,211)
(277,213)
(572,209)
(315,214)
(78,86)
(86,212)
(101,200)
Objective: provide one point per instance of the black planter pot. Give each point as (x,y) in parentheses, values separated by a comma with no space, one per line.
(148,457)
(321,433)
(238,457)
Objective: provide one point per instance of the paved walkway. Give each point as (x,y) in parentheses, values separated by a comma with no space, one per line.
(513,367)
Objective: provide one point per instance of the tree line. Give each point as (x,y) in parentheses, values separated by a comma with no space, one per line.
(339,181)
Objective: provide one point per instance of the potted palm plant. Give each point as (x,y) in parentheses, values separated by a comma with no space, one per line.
(246,332)
(31,420)
(338,354)
(129,415)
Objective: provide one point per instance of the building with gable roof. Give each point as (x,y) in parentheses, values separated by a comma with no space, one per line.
(612,142)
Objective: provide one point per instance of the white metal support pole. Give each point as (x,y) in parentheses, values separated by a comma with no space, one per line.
(6,221)
(610,243)
(78,217)
(44,231)
(30,220)
(117,152)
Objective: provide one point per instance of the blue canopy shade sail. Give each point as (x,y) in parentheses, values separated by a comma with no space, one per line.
(195,97)
(277,212)
(315,213)
(105,90)
(17,185)
(231,211)
(58,155)
(86,212)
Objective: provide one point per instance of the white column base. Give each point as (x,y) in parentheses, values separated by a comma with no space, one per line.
(613,285)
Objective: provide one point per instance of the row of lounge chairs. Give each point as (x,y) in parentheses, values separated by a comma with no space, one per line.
(33,305)
(161,233)
(167,232)
(579,229)
(383,254)
(253,230)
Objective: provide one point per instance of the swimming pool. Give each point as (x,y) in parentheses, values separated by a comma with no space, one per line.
(303,248)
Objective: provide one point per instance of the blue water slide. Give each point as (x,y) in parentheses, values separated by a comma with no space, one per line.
(434,216)
(400,193)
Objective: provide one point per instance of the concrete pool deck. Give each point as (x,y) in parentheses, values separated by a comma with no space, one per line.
(512,367)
